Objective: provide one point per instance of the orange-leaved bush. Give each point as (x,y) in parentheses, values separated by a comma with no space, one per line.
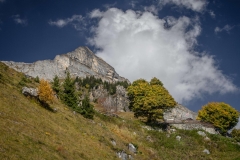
(45,91)
(221,115)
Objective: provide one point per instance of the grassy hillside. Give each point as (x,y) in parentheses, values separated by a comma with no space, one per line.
(29,131)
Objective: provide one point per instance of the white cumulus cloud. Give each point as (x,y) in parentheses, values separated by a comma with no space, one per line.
(141,45)
(195,5)
(77,21)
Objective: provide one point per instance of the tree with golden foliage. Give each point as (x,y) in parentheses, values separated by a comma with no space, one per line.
(45,91)
(149,99)
(236,134)
(221,115)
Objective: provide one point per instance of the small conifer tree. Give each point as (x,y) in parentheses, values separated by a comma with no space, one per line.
(37,79)
(56,84)
(86,108)
(69,96)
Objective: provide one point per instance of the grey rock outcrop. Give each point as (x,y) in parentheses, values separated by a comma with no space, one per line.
(182,118)
(113,142)
(179,113)
(178,138)
(206,151)
(122,155)
(33,92)
(195,125)
(201,133)
(82,62)
(132,148)
(118,102)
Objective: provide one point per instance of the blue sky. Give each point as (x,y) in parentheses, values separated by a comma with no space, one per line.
(193,46)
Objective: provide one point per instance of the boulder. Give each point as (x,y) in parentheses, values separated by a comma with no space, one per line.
(207,139)
(33,92)
(149,138)
(206,151)
(178,138)
(123,155)
(179,113)
(201,133)
(132,148)
(113,142)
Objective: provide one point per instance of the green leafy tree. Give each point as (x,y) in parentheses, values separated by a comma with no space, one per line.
(69,96)
(149,100)
(221,115)
(56,84)
(86,108)
(156,81)
(236,134)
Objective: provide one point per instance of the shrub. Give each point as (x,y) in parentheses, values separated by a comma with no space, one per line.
(236,134)
(45,91)
(221,115)
(37,79)
(149,99)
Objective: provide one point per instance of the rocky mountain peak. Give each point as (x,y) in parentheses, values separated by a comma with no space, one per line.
(81,62)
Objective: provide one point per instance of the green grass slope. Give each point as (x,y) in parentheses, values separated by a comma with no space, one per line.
(29,131)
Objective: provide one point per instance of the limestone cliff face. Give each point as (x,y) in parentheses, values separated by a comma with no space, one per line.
(118,102)
(179,113)
(82,62)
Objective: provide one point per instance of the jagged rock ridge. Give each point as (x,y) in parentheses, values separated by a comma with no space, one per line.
(81,62)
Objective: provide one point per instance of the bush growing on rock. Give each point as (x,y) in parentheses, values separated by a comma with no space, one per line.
(45,91)
(221,115)
(149,99)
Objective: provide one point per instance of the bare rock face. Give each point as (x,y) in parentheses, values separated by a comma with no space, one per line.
(82,62)
(179,113)
(118,102)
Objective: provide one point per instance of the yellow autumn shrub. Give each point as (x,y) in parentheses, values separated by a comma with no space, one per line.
(45,91)
(149,99)
(221,115)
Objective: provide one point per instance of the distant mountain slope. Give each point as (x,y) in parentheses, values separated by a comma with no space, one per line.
(81,62)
